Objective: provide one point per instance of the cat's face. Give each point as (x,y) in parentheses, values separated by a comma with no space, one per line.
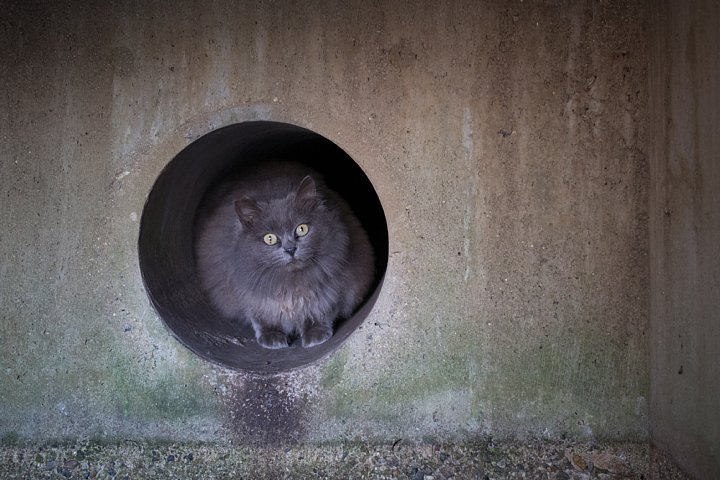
(285,233)
(283,239)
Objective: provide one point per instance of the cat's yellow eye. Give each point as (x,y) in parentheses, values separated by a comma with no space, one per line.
(302,230)
(270,238)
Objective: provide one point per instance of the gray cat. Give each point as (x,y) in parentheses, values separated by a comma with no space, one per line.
(281,251)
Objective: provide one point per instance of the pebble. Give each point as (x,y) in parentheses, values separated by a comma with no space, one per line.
(576,460)
(609,462)
(418,474)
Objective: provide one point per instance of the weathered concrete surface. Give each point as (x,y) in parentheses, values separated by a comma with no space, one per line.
(506,141)
(685,234)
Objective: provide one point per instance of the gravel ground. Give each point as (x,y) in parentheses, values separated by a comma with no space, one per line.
(478,460)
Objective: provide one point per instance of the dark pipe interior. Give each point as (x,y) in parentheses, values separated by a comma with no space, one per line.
(165,243)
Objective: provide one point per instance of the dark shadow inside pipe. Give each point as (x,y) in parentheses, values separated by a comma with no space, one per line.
(165,243)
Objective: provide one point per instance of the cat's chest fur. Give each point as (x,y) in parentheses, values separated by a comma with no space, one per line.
(294,302)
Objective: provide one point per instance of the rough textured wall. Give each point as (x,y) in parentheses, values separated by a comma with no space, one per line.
(506,141)
(685,234)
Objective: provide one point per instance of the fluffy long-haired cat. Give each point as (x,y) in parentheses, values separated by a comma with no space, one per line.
(281,251)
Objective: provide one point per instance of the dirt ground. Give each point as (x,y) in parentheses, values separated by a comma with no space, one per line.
(485,459)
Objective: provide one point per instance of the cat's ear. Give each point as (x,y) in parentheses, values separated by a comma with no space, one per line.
(247,211)
(307,191)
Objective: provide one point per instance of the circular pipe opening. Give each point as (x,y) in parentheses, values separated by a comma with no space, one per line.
(165,244)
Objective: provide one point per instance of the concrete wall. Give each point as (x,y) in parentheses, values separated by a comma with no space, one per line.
(685,234)
(506,141)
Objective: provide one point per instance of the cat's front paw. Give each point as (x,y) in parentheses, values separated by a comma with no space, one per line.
(273,339)
(315,335)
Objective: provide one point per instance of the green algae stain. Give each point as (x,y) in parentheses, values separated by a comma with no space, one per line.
(589,385)
(406,380)
(160,395)
(10,439)
(333,371)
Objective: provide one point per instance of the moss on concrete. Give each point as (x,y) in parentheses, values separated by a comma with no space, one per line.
(171,396)
(563,386)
